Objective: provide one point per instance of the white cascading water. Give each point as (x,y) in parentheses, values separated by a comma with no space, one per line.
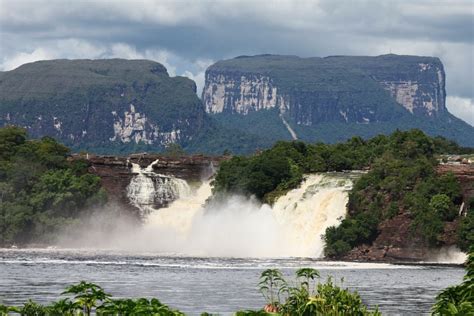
(241,227)
(147,189)
(306,212)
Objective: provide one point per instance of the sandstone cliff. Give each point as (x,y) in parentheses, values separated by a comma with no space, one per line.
(308,97)
(103,105)
(117,172)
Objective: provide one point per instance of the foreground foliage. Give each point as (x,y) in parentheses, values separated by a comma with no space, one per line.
(88,298)
(306,297)
(40,190)
(458,300)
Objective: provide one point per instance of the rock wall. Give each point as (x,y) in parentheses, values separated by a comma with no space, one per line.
(116,172)
(421,91)
(136,127)
(315,90)
(241,93)
(464,172)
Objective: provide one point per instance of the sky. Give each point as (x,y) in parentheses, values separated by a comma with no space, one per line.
(188,36)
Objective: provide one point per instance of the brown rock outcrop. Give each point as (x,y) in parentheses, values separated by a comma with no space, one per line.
(464,172)
(116,171)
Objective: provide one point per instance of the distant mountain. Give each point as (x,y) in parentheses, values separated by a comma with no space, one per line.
(332,98)
(98,103)
(120,106)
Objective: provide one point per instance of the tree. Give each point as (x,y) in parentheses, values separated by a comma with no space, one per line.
(443,206)
(174,150)
(87,295)
(10,138)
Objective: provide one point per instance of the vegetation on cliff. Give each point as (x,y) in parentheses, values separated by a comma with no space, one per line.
(401,178)
(466,228)
(397,182)
(40,190)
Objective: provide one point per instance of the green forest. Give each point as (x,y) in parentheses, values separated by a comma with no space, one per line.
(401,177)
(41,191)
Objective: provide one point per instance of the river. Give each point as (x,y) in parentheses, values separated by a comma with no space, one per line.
(217,285)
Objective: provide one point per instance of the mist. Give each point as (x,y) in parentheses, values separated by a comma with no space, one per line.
(232,227)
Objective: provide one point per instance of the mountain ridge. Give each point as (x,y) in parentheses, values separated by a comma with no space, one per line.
(344,91)
(122,106)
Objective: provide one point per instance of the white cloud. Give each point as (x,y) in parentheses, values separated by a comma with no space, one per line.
(81,49)
(23,58)
(462,108)
(182,34)
(70,48)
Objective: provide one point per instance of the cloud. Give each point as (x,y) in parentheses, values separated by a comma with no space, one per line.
(77,49)
(22,58)
(70,48)
(461,107)
(182,34)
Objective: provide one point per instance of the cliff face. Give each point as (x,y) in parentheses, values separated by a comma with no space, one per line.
(120,106)
(420,88)
(117,174)
(387,92)
(100,104)
(320,89)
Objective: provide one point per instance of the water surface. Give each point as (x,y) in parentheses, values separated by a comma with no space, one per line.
(217,285)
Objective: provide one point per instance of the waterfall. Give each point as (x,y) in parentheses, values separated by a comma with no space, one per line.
(148,190)
(242,227)
(307,211)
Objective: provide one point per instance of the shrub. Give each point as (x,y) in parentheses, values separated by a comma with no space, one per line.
(458,299)
(307,297)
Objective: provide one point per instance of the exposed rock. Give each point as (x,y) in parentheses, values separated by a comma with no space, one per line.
(349,92)
(116,172)
(240,93)
(101,105)
(241,87)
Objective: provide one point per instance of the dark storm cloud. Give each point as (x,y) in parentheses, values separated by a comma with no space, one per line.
(188,35)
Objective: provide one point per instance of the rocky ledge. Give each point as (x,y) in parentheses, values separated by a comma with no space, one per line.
(116,171)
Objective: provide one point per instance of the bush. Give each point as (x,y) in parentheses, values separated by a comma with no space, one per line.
(443,206)
(89,298)
(307,297)
(459,299)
